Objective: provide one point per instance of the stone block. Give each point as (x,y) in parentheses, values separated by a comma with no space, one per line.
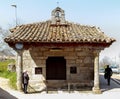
(71,49)
(82,54)
(87,60)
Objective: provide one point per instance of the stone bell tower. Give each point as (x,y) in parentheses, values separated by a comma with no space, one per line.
(58,16)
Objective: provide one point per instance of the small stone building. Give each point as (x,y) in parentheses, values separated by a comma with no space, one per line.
(57,53)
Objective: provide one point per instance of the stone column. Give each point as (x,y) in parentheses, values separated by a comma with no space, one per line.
(19,70)
(96,88)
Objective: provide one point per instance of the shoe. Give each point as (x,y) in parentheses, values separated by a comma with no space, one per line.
(25,92)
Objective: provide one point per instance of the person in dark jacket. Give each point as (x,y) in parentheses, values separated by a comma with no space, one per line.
(108,73)
(25,81)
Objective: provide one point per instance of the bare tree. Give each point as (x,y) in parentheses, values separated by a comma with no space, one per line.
(106,61)
(3,45)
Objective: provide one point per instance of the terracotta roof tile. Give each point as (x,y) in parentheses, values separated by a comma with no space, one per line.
(45,32)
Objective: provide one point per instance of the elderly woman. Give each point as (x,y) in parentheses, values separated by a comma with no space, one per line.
(25,81)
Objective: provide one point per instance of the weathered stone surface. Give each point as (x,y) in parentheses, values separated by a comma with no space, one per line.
(11,67)
(37,58)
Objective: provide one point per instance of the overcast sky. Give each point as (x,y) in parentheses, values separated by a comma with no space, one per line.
(100,13)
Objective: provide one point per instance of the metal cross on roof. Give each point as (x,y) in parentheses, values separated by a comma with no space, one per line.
(57,3)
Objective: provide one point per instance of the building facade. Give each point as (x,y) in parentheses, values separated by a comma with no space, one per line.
(57,53)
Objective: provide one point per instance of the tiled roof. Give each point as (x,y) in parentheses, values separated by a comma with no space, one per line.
(44,32)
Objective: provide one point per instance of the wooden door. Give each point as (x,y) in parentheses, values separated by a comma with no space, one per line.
(56,68)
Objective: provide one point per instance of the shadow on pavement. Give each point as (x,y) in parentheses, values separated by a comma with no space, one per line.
(103,84)
(5,95)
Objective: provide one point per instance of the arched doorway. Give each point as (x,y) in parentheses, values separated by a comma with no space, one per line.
(55,68)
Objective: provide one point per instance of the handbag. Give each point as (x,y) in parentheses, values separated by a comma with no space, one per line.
(105,75)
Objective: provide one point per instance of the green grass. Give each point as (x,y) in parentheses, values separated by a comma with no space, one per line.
(7,74)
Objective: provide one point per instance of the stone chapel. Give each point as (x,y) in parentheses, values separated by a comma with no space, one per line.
(58,53)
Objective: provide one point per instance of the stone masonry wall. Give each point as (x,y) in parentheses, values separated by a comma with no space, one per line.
(81,58)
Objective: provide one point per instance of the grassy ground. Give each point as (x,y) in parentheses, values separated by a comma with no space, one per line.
(7,74)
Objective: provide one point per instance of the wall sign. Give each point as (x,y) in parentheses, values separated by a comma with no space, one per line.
(38,70)
(73,70)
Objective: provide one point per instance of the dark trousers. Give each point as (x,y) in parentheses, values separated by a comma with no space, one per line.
(108,80)
(25,88)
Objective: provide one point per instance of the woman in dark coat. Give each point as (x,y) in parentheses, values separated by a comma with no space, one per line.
(25,81)
(108,74)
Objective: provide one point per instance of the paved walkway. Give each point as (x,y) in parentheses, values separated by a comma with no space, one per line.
(114,87)
(5,89)
(111,92)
